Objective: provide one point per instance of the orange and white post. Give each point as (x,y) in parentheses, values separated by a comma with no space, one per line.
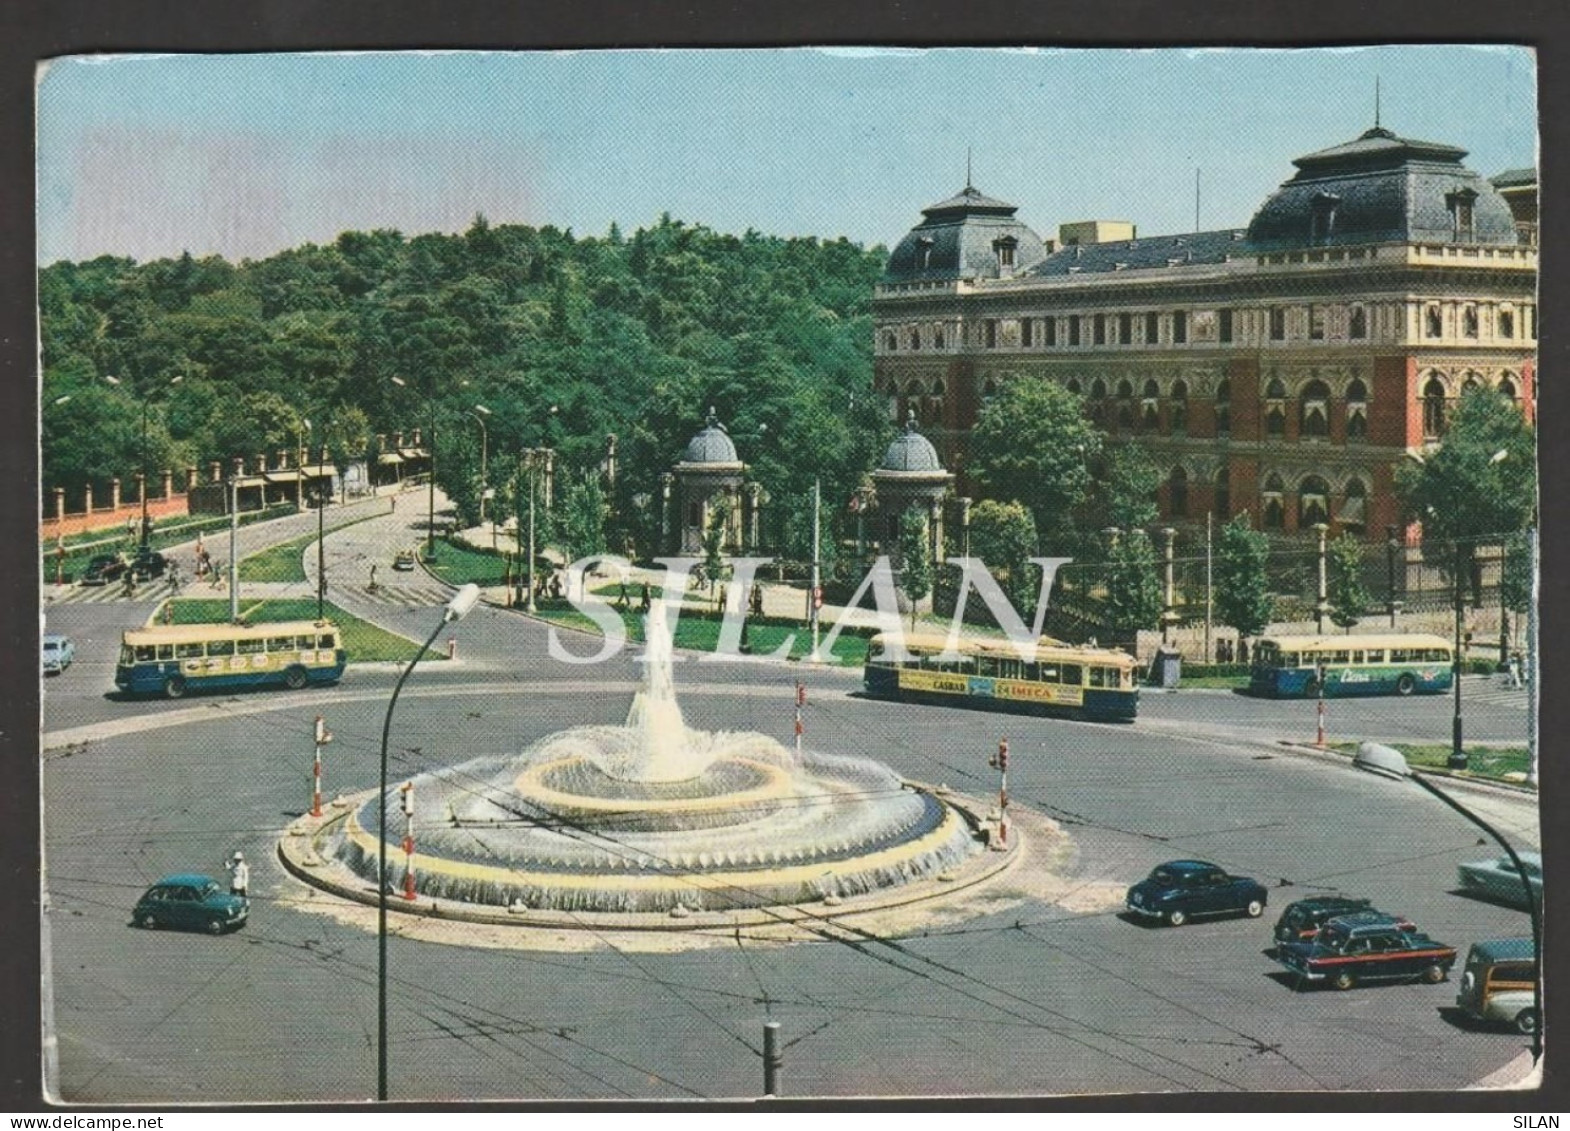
(406,790)
(323,737)
(801,701)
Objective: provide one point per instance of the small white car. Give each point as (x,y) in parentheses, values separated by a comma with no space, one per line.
(1498,878)
(57,653)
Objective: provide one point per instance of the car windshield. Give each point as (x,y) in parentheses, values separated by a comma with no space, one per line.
(51,646)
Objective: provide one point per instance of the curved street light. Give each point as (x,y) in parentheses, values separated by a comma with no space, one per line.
(145,400)
(1388,762)
(462,601)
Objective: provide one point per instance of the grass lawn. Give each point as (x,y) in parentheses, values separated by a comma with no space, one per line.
(364,641)
(459,566)
(282,562)
(1482,761)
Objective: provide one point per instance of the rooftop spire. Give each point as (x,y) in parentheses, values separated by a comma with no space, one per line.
(1376,102)
(968,185)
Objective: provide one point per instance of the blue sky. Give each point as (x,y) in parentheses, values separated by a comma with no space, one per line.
(149,156)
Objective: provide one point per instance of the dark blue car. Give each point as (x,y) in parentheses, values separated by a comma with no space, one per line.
(1180,890)
(194,902)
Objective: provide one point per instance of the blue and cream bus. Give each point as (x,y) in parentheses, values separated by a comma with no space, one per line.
(1404,663)
(172,660)
(1052,678)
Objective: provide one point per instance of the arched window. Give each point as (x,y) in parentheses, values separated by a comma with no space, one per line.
(1125,415)
(1314,410)
(1177,493)
(1223,495)
(1224,407)
(1433,324)
(1433,409)
(889,341)
(1150,417)
(1357,324)
(1098,389)
(1073,386)
(1356,410)
(1469,321)
(1471,383)
(1506,322)
(1275,421)
(1313,502)
(1125,390)
(1275,391)
(1273,509)
(1177,414)
(1152,390)
(937,338)
(1353,515)
(915,337)
(1507,387)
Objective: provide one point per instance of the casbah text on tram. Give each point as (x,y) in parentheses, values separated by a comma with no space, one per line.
(880,581)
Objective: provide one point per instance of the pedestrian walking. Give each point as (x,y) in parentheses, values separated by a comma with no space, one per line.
(757,599)
(621,596)
(239,876)
(1515,670)
(372,585)
(648,599)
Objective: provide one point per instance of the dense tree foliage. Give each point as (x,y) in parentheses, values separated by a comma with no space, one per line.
(1477,488)
(1034,441)
(632,336)
(915,559)
(1344,581)
(1133,589)
(1003,535)
(1242,595)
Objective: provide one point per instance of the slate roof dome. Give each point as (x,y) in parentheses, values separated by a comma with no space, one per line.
(1380,188)
(967,236)
(712,445)
(911,452)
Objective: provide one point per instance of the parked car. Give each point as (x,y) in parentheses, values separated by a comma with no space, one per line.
(104,568)
(148,564)
(1498,879)
(1179,890)
(1303,918)
(403,561)
(193,902)
(1367,946)
(57,653)
(1497,983)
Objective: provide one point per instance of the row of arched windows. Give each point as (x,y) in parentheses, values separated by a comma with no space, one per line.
(1435,398)
(1312,498)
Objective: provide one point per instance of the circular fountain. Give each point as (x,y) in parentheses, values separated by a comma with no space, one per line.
(653,816)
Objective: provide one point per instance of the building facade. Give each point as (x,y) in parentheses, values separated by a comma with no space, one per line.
(1283,369)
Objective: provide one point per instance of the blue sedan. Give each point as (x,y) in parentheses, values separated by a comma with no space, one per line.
(193,902)
(1180,890)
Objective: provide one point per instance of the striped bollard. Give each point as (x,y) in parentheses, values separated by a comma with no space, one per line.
(322,739)
(407,790)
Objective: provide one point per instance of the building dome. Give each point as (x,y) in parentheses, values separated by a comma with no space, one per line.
(968,236)
(1380,188)
(911,452)
(712,445)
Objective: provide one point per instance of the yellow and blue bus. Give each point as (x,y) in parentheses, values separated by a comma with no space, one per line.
(172,660)
(1389,664)
(1051,678)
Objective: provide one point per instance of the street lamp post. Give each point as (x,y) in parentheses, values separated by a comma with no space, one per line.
(480,413)
(1457,759)
(1386,761)
(430,491)
(1390,573)
(461,603)
(146,401)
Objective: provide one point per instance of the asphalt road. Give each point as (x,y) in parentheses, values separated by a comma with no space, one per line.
(1031,998)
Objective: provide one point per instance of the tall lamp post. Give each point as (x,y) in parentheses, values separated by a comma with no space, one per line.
(321,532)
(1388,762)
(456,609)
(146,401)
(480,412)
(1390,573)
(430,493)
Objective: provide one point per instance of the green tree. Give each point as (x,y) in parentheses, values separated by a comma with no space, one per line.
(915,559)
(1477,488)
(1344,581)
(580,517)
(1133,589)
(1516,575)
(1128,493)
(714,541)
(1240,593)
(1034,442)
(1003,535)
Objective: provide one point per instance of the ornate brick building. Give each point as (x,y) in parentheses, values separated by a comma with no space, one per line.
(1284,368)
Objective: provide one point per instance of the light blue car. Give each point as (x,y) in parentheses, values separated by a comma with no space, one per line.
(1498,879)
(57,652)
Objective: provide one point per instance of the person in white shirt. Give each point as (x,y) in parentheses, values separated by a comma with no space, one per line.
(239,876)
